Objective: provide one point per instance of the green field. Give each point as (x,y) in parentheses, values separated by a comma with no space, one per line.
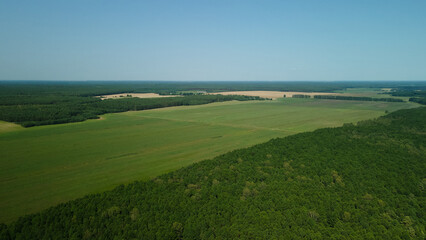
(9,127)
(47,165)
(369,92)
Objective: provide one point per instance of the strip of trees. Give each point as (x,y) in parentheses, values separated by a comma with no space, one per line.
(301,96)
(420,100)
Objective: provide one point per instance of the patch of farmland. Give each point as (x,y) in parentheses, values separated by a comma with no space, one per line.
(9,127)
(138,95)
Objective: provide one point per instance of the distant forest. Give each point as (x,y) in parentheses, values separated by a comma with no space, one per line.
(363,181)
(33,103)
(417,94)
(94,88)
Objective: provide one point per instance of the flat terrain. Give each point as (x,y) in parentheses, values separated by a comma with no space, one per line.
(9,127)
(273,94)
(47,165)
(369,92)
(356,92)
(138,95)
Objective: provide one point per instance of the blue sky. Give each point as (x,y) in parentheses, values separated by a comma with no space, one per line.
(213,40)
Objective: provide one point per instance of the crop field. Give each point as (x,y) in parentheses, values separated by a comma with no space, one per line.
(47,165)
(355,92)
(369,92)
(138,95)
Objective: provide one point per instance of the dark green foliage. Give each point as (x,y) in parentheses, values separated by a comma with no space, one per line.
(358,98)
(418,100)
(417,91)
(417,94)
(301,96)
(363,181)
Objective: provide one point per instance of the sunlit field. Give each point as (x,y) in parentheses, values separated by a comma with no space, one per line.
(47,165)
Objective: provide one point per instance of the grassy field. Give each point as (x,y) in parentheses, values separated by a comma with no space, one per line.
(9,127)
(369,92)
(47,165)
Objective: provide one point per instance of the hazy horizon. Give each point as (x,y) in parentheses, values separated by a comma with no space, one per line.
(219,81)
(213,41)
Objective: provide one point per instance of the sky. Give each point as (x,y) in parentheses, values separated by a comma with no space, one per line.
(213,40)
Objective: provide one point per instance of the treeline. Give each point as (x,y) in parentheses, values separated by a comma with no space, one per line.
(417,94)
(37,110)
(417,91)
(301,96)
(420,100)
(363,181)
(357,98)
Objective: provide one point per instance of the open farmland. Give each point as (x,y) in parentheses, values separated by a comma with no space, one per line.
(354,92)
(369,92)
(47,165)
(138,95)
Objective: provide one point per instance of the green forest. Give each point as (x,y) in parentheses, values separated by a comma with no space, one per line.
(300,96)
(359,181)
(417,94)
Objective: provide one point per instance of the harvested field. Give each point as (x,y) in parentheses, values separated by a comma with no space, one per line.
(138,95)
(273,94)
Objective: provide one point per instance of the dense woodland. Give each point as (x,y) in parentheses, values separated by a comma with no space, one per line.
(416,93)
(363,181)
(418,100)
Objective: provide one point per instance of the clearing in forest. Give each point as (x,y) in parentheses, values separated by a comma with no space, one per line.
(138,95)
